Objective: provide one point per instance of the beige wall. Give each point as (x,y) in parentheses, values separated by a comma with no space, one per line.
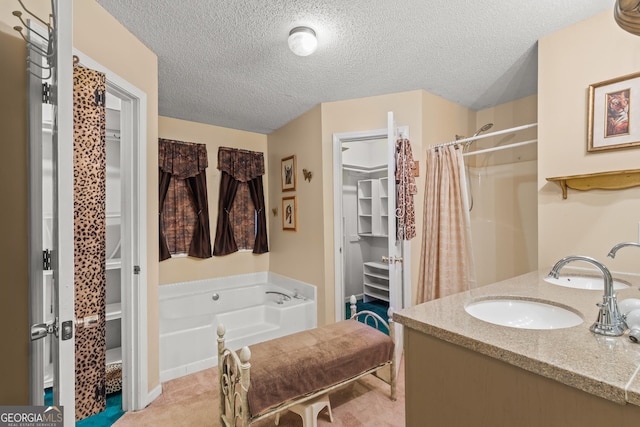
(504,218)
(299,254)
(516,113)
(188,268)
(586,223)
(99,35)
(308,253)
(430,119)
(14,358)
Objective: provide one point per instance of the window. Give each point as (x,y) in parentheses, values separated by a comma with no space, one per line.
(183,206)
(242,222)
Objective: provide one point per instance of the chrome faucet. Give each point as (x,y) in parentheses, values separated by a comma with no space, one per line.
(610,322)
(281,296)
(612,252)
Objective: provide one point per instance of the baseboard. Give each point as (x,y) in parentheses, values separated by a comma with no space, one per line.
(153,395)
(358,297)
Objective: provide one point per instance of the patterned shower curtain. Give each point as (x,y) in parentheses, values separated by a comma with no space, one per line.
(446,261)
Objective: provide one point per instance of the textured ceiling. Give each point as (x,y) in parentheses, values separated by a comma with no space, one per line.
(227,63)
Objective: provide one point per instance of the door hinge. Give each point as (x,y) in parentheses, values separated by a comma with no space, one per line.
(46,93)
(101,98)
(136,269)
(46,259)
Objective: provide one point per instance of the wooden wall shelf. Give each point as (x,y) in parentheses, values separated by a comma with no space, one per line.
(615,180)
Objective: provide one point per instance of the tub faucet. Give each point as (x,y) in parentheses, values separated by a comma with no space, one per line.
(612,252)
(610,322)
(282,297)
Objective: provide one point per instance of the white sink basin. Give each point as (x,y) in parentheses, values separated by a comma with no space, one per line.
(584,282)
(524,314)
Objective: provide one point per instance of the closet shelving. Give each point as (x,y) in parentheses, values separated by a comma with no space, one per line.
(113,261)
(384,205)
(372,207)
(365,207)
(375,281)
(366,220)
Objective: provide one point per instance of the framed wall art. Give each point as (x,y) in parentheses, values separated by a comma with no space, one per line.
(288,173)
(614,114)
(289,213)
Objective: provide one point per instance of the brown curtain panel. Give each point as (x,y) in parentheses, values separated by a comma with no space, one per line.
(187,161)
(257,195)
(164,178)
(224,242)
(239,166)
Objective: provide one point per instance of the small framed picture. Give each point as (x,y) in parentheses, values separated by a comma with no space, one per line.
(289,213)
(288,173)
(613,114)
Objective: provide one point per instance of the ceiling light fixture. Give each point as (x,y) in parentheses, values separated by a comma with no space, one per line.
(302,41)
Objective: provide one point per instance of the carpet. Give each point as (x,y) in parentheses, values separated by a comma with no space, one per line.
(378,307)
(192,400)
(107,417)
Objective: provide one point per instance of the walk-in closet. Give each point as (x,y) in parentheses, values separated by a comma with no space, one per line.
(113,240)
(365,220)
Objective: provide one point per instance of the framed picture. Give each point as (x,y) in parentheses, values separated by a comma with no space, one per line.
(289,213)
(614,108)
(288,173)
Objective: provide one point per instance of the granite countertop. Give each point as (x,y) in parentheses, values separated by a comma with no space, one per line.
(608,367)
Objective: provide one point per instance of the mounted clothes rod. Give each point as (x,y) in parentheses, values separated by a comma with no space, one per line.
(364,169)
(487,135)
(501,147)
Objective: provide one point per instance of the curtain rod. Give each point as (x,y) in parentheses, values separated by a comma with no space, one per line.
(500,147)
(487,135)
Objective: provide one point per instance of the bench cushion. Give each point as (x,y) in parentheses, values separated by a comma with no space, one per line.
(302,363)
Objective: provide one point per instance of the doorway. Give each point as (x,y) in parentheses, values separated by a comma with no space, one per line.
(126,264)
(368,258)
(126,247)
(365,224)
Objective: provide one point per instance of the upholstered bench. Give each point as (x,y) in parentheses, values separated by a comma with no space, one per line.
(278,374)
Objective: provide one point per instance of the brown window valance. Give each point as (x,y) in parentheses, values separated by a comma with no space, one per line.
(181,159)
(242,165)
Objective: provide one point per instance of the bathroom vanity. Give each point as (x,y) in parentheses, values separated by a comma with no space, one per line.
(468,372)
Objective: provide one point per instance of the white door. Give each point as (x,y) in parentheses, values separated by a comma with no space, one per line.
(398,250)
(52,200)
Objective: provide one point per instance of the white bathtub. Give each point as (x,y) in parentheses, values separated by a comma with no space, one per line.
(190,313)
